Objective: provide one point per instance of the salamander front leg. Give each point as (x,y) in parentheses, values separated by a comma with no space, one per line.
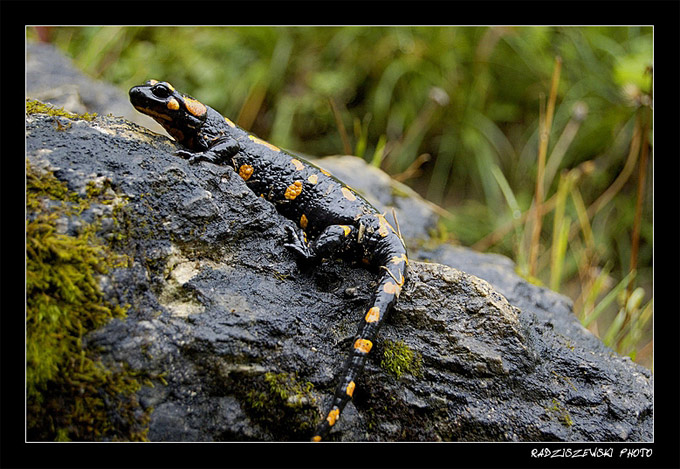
(298,244)
(223,149)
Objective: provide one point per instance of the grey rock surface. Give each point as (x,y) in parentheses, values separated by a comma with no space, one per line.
(250,343)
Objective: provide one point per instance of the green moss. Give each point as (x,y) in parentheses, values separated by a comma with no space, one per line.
(398,359)
(565,378)
(557,410)
(282,404)
(71,394)
(33,106)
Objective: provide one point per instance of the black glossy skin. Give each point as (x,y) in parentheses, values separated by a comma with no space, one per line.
(333,219)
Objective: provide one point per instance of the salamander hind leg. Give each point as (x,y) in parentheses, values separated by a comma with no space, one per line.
(332,240)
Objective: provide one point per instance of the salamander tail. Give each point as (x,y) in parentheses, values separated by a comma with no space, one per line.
(387,293)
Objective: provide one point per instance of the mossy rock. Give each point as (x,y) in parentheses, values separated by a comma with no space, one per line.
(399,358)
(283,405)
(33,106)
(71,394)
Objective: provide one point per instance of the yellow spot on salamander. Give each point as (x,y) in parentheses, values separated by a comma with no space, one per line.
(298,164)
(363,345)
(350,388)
(262,142)
(293,190)
(348,194)
(172,88)
(196,108)
(392,288)
(173,104)
(153,82)
(333,416)
(384,228)
(245,171)
(346,229)
(399,259)
(325,172)
(229,123)
(303,221)
(313,179)
(373,314)
(316,438)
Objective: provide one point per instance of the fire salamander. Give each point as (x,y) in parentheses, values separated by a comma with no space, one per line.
(333,219)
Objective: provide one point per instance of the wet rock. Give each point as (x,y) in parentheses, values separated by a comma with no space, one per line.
(220,308)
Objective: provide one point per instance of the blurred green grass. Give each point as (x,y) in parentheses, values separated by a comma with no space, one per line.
(454,112)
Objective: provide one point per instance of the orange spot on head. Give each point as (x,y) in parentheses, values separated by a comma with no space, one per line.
(373,314)
(363,345)
(173,104)
(350,388)
(316,438)
(303,221)
(347,193)
(195,107)
(293,190)
(333,416)
(298,164)
(245,171)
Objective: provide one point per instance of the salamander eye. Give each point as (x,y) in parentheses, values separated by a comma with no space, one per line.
(161,91)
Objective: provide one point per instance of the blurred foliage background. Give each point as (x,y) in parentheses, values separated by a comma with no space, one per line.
(536,141)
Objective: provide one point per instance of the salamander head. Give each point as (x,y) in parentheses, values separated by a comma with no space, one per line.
(181,115)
